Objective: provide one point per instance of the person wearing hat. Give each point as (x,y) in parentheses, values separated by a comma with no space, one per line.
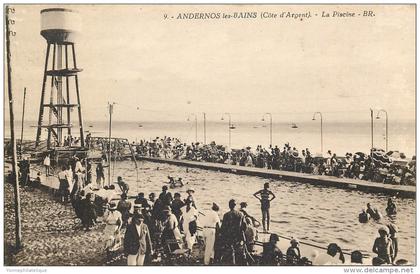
(293,252)
(190,192)
(137,241)
(113,220)
(382,245)
(170,230)
(265,196)
(211,223)
(271,251)
(189,223)
(78,166)
(393,230)
(176,206)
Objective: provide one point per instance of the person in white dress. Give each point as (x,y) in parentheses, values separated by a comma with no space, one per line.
(70,178)
(189,214)
(47,163)
(211,222)
(113,220)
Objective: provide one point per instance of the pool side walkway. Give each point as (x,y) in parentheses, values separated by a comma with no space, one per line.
(397,190)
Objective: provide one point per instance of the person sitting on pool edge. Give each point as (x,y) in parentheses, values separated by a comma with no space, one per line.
(265,196)
(271,251)
(293,253)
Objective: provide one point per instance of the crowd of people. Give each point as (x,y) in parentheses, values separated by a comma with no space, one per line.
(378,166)
(169,226)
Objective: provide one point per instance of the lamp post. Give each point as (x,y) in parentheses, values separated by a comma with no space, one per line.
(195,118)
(322,137)
(271,126)
(386,125)
(371,130)
(204,126)
(230,125)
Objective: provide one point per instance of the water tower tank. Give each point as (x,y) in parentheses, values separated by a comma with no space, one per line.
(60,25)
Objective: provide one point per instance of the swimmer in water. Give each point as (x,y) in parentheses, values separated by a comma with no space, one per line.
(373,212)
(391,208)
(363,217)
(173,184)
(265,196)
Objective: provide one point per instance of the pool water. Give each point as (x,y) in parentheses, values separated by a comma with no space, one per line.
(316,214)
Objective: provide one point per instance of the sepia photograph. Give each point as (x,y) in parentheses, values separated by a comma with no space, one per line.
(209,135)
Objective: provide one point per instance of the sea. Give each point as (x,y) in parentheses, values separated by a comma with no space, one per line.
(339,137)
(314,214)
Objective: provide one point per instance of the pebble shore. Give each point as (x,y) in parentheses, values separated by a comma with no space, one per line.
(51,234)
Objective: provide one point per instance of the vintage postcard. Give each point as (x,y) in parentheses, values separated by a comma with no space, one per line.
(210,135)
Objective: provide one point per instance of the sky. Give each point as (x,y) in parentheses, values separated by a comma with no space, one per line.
(156,69)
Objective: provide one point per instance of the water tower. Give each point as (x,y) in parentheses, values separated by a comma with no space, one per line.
(60,27)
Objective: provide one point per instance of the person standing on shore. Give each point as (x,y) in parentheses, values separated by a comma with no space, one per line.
(393,229)
(100,176)
(47,163)
(137,241)
(88,171)
(210,225)
(265,196)
(64,185)
(232,234)
(113,220)
(176,206)
(124,207)
(88,212)
(190,197)
(189,215)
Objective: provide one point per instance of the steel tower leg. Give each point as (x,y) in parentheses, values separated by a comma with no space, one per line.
(41,105)
(79,107)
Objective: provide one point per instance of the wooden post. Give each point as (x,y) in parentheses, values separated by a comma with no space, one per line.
(23,119)
(18,228)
